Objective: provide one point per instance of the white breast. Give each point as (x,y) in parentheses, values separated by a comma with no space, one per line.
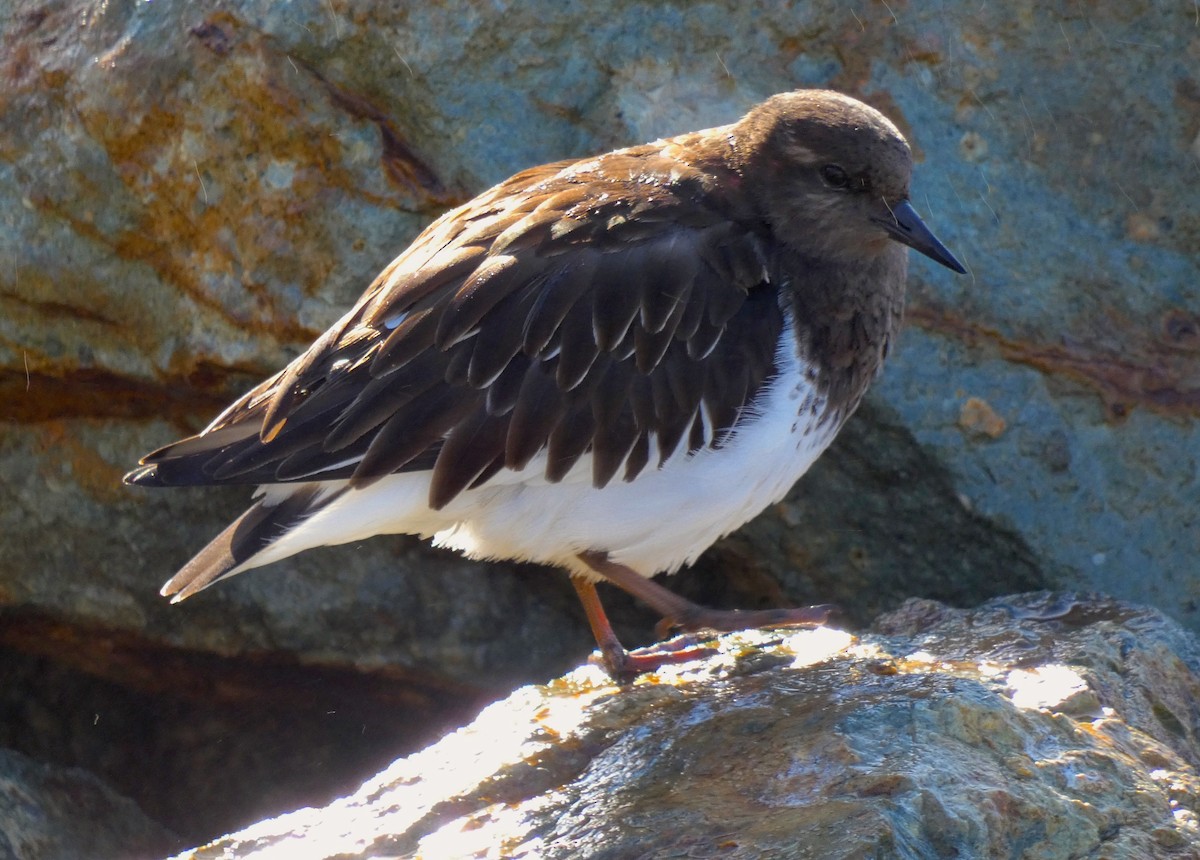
(663,519)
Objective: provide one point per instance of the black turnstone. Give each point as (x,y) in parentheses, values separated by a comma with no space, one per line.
(603,364)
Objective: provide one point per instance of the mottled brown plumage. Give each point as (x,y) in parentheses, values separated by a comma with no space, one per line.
(627,311)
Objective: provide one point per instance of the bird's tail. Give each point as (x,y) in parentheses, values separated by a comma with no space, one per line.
(242,545)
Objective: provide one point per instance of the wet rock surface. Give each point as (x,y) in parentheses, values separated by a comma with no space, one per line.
(190,193)
(1047,725)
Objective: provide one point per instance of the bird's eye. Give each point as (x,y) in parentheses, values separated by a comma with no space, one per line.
(835,177)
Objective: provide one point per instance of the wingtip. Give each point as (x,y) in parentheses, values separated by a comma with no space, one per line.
(171,589)
(184,584)
(143,476)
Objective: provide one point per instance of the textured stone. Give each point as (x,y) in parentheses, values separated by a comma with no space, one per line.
(50,813)
(206,744)
(1045,726)
(190,192)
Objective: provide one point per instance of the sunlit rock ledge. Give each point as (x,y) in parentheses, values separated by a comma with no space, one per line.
(1039,726)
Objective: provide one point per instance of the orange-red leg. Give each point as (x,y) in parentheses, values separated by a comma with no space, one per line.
(621,664)
(677,613)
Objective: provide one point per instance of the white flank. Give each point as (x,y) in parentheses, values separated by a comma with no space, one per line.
(663,519)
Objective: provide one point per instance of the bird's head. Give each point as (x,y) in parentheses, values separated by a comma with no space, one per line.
(831,176)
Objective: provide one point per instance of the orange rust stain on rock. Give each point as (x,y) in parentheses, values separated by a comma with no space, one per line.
(60,448)
(928,48)
(978,417)
(142,663)
(19,47)
(1161,377)
(232,166)
(401,165)
(164,154)
(49,309)
(1141,227)
(27,397)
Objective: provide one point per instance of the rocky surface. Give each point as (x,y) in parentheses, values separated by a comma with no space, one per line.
(206,743)
(190,192)
(1046,726)
(54,813)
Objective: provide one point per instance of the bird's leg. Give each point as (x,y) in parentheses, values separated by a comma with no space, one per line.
(621,664)
(680,613)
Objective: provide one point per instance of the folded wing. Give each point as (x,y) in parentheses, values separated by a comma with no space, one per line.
(546,316)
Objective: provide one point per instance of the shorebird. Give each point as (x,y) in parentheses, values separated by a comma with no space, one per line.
(603,364)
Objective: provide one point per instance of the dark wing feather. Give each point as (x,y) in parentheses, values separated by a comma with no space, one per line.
(469,451)
(247,535)
(411,337)
(577,350)
(495,348)
(540,405)
(414,430)
(620,308)
(569,440)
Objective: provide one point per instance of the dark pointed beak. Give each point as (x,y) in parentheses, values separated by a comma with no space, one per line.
(905,225)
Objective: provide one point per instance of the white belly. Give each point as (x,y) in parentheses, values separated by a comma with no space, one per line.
(663,519)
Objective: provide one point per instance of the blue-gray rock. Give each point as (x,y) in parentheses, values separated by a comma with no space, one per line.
(190,192)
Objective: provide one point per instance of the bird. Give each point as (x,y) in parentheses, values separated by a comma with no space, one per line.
(602,364)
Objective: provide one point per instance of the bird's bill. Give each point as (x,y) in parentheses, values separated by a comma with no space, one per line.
(906,226)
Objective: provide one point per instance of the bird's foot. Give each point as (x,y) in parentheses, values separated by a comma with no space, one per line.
(624,666)
(694,617)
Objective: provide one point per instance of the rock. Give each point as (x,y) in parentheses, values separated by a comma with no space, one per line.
(1044,726)
(207,744)
(189,193)
(52,813)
